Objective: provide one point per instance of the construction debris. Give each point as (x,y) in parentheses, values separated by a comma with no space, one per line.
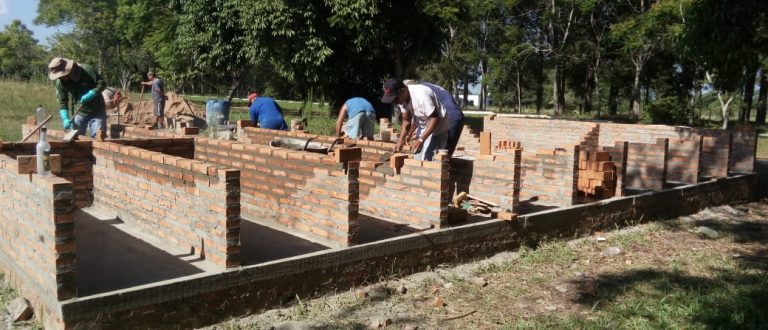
(20,310)
(176,108)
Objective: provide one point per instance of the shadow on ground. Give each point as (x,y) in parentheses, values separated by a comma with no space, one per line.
(664,299)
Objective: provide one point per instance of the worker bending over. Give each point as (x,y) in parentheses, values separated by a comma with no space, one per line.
(423,117)
(84,84)
(266,112)
(362,119)
(453,114)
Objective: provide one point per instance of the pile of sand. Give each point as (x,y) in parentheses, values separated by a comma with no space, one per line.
(176,107)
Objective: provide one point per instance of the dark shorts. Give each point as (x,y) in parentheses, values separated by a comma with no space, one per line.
(158,108)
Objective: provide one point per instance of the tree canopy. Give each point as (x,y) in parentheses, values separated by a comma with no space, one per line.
(643,59)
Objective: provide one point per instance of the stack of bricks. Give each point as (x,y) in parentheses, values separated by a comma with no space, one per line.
(597,174)
(507,146)
(386,130)
(189,203)
(312,193)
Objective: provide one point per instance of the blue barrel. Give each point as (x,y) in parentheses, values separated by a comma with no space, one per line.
(217,111)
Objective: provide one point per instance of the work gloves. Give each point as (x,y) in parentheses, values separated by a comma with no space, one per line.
(65,121)
(87,97)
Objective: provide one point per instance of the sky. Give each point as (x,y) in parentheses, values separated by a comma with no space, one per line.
(25,11)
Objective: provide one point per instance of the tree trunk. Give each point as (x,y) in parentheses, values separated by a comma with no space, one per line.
(634,103)
(613,94)
(519,93)
(466,91)
(561,91)
(540,84)
(555,91)
(761,99)
(233,88)
(749,93)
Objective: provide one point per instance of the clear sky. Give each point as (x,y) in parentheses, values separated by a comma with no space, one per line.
(25,11)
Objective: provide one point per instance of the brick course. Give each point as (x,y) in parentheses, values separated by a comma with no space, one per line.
(38,242)
(189,203)
(308,192)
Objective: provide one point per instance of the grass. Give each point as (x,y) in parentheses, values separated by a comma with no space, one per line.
(20,100)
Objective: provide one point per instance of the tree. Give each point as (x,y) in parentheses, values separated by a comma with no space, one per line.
(21,56)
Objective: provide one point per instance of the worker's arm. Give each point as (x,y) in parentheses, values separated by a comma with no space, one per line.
(340,119)
(100,83)
(407,127)
(62,96)
(253,112)
(432,122)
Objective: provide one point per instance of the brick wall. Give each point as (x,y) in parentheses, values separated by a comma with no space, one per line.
(76,164)
(539,134)
(416,194)
(309,192)
(618,154)
(715,154)
(495,178)
(646,165)
(176,146)
(204,300)
(549,178)
(469,140)
(744,151)
(37,237)
(190,203)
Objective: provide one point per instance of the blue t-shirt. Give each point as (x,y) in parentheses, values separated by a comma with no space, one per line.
(266,112)
(357,105)
(446,99)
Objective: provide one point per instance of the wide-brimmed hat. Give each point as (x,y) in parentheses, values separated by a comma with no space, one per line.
(60,67)
(391,87)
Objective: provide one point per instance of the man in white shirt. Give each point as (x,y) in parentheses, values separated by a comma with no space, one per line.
(420,106)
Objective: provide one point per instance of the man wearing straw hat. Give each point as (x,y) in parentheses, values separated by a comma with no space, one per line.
(84,84)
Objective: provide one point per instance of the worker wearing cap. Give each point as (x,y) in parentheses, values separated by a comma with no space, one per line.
(158,98)
(362,119)
(84,84)
(266,112)
(420,106)
(453,114)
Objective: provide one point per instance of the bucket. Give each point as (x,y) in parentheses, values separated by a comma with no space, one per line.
(216,112)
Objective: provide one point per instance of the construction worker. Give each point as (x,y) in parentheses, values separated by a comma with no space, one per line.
(362,119)
(158,98)
(418,105)
(453,114)
(266,112)
(84,84)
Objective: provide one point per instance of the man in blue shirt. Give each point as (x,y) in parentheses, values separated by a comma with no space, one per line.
(266,112)
(362,119)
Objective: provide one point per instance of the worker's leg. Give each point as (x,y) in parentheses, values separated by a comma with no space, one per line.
(80,123)
(159,109)
(455,126)
(352,127)
(368,125)
(96,123)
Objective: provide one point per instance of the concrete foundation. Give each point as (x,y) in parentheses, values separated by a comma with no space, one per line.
(158,228)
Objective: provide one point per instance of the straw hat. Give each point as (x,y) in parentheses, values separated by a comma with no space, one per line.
(60,67)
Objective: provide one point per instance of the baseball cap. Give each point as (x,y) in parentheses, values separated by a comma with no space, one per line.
(391,86)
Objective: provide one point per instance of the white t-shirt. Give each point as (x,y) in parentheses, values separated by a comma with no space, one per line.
(424,103)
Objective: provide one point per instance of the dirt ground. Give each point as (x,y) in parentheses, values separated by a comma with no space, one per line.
(140,113)
(600,281)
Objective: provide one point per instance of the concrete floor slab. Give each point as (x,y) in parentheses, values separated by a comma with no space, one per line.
(113,255)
